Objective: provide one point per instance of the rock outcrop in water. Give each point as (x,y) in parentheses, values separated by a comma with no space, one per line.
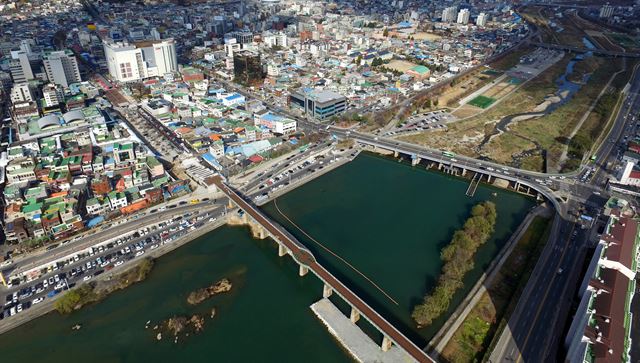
(183,325)
(201,295)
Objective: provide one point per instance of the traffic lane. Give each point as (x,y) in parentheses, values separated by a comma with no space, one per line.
(519,320)
(540,344)
(147,242)
(542,302)
(102,235)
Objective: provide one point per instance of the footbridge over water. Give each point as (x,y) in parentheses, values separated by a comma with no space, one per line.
(287,244)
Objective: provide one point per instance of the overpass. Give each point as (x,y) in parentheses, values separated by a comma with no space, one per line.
(602,52)
(287,244)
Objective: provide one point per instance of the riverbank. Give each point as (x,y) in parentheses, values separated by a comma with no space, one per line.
(47,306)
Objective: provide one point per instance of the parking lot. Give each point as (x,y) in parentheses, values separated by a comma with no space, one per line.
(88,264)
(436,120)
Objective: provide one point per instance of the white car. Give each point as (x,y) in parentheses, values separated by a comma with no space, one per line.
(37,300)
(87,278)
(139,253)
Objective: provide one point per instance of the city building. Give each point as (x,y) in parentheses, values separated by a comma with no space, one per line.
(21,92)
(449,14)
(133,62)
(600,330)
(606,11)
(463,16)
(481,20)
(52,96)
(247,67)
(61,68)
(321,104)
(20,67)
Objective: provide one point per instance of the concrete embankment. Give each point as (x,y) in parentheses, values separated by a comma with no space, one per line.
(353,339)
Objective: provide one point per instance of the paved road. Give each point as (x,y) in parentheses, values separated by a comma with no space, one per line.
(305,257)
(99,236)
(535,330)
(159,240)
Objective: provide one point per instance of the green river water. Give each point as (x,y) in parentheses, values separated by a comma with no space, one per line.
(388,220)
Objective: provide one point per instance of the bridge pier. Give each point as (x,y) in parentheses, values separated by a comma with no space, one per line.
(230,204)
(488,178)
(439,166)
(326,291)
(303,270)
(355,315)
(464,171)
(415,161)
(282,250)
(395,153)
(386,344)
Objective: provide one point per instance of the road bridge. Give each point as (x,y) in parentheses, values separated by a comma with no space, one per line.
(602,52)
(287,244)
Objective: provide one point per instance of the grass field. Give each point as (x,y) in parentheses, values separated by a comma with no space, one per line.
(482,101)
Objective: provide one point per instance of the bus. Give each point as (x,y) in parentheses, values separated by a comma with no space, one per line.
(448,154)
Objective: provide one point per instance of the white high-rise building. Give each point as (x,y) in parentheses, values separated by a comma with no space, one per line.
(606,11)
(21,92)
(481,20)
(20,67)
(62,68)
(449,14)
(52,95)
(276,39)
(133,62)
(463,16)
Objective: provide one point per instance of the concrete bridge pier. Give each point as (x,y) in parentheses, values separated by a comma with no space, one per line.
(488,178)
(230,204)
(303,270)
(415,161)
(282,250)
(326,291)
(395,153)
(386,344)
(464,171)
(439,166)
(355,315)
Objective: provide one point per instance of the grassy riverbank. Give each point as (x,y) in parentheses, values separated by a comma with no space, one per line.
(458,257)
(488,317)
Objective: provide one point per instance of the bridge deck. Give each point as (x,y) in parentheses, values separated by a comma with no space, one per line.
(302,255)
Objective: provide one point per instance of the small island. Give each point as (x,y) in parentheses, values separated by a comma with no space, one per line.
(457,258)
(200,295)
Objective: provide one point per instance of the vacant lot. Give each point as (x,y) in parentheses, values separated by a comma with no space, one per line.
(400,65)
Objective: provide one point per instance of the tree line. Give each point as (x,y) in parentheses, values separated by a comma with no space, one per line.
(457,258)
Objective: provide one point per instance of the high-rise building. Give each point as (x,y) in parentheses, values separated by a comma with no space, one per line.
(20,67)
(247,67)
(449,14)
(463,16)
(52,96)
(62,68)
(481,20)
(606,11)
(133,62)
(21,92)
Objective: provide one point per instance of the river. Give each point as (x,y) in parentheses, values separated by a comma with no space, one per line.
(388,220)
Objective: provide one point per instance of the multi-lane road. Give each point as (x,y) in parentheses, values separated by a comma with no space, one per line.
(534,332)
